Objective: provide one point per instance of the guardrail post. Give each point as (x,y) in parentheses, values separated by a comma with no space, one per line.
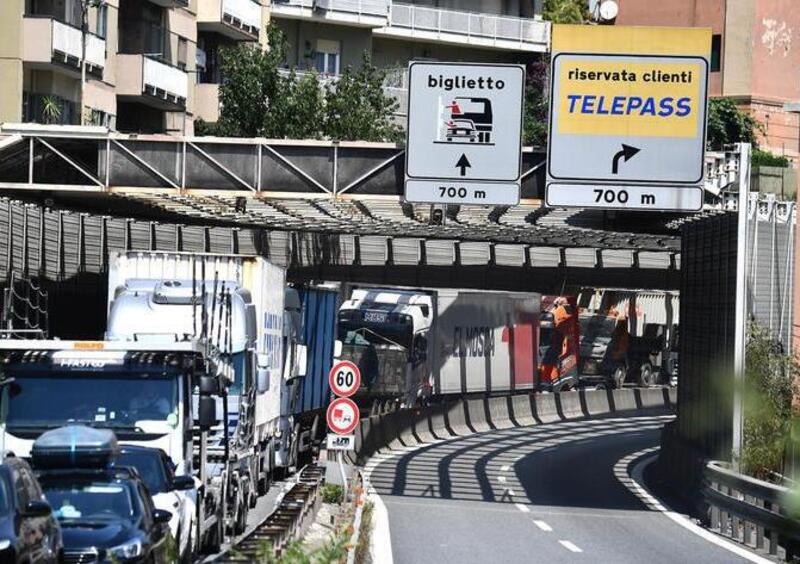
(715,513)
(759,529)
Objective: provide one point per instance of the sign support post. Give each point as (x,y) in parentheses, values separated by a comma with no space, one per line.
(740,335)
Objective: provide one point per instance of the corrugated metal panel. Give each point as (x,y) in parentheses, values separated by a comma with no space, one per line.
(319,333)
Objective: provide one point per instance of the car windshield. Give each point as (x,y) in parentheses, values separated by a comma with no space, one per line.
(150,469)
(120,402)
(88,501)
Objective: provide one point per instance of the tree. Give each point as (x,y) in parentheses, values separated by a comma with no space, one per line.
(259,98)
(728,124)
(565,11)
(537,105)
(357,108)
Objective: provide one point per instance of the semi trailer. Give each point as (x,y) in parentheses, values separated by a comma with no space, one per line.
(416,345)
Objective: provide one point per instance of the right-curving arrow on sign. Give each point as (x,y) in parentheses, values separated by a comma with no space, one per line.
(627,153)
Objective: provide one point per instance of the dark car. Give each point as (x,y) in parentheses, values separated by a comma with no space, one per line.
(28,530)
(106,515)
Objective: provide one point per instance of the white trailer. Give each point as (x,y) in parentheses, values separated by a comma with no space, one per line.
(415,344)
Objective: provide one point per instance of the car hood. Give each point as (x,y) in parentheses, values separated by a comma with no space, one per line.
(105,535)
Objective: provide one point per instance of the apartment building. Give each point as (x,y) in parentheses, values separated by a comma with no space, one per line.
(755,55)
(145,65)
(328,35)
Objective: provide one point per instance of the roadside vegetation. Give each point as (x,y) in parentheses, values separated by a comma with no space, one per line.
(259,97)
(772,420)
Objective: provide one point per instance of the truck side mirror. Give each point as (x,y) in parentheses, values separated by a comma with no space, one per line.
(262,373)
(209,385)
(207,412)
(337,349)
(302,358)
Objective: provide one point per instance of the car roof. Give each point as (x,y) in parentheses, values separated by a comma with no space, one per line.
(141,449)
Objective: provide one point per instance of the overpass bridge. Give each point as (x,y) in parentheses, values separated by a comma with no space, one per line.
(325,210)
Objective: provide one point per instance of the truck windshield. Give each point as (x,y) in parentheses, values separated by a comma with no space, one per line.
(388,334)
(120,401)
(89,500)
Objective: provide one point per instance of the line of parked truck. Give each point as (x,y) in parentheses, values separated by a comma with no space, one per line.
(218,364)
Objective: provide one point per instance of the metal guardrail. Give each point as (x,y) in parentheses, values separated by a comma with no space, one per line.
(750,511)
(285,524)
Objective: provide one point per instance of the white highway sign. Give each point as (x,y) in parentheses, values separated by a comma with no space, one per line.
(341,442)
(664,198)
(448,191)
(465,124)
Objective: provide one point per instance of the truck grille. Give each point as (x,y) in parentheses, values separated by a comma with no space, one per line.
(81,556)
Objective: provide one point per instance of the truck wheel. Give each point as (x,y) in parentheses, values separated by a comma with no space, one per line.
(619,377)
(647,377)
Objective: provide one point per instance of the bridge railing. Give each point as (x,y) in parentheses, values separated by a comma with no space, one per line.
(751,511)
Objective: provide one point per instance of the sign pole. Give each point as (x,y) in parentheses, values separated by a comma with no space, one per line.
(740,337)
(340,458)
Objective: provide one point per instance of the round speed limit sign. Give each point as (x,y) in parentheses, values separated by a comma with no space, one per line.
(344,379)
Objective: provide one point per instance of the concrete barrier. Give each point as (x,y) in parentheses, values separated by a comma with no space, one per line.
(653,397)
(595,402)
(457,419)
(569,405)
(624,400)
(521,410)
(477,418)
(437,421)
(497,409)
(546,409)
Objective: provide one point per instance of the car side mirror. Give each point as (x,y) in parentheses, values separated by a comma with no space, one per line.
(161,516)
(183,483)
(37,508)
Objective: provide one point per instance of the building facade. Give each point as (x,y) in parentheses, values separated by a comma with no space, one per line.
(152,66)
(755,56)
(145,68)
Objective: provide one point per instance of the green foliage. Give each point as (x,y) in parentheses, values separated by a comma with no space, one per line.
(260,99)
(332,493)
(51,109)
(728,124)
(765,158)
(769,385)
(357,108)
(534,119)
(565,11)
(331,552)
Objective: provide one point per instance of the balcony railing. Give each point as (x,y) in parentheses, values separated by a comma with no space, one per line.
(457,25)
(373,13)
(245,12)
(67,41)
(160,77)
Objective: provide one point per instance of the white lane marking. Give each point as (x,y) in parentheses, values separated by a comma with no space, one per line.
(637,488)
(505,468)
(511,492)
(501,479)
(543,526)
(569,546)
(523,508)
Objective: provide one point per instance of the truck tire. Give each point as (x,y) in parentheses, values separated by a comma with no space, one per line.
(647,376)
(619,377)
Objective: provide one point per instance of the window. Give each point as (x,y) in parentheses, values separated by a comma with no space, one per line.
(327,57)
(183,46)
(101,26)
(716,53)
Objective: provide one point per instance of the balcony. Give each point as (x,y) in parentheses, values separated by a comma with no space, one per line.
(48,42)
(171,3)
(152,82)
(364,13)
(239,20)
(408,21)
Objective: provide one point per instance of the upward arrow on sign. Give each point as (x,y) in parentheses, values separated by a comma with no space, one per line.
(463,164)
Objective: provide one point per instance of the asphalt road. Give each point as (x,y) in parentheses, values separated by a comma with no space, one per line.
(547,493)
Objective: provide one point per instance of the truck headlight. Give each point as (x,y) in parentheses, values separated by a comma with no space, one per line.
(130,549)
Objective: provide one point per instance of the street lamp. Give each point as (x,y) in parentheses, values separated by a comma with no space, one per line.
(85,5)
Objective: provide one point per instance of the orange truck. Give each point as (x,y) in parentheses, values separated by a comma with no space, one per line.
(559,343)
